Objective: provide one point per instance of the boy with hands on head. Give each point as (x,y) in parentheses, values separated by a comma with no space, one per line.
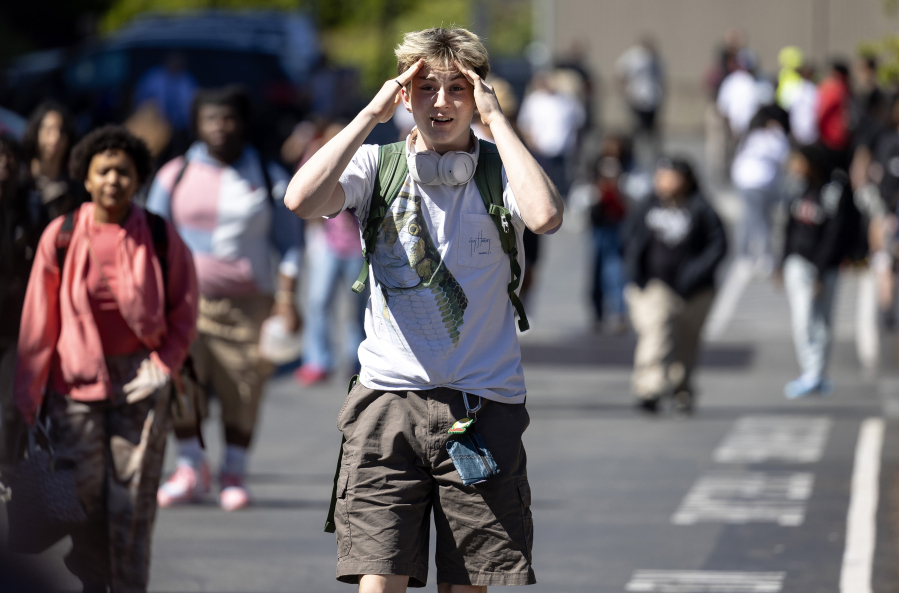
(441,365)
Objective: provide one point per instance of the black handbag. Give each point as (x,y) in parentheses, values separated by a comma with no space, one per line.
(44,506)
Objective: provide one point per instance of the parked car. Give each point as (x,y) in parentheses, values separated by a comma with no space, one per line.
(273,54)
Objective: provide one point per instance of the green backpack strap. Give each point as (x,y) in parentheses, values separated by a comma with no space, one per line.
(489,179)
(392,171)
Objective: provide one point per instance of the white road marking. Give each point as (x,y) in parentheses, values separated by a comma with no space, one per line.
(791,439)
(861,520)
(748,497)
(705,581)
(732,289)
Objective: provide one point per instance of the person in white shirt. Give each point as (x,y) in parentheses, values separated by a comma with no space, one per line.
(804,108)
(549,121)
(757,174)
(738,97)
(641,76)
(440,329)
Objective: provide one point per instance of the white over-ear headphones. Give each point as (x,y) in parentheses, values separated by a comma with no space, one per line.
(452,168)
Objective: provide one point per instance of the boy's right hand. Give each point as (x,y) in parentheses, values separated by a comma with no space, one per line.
(385,102)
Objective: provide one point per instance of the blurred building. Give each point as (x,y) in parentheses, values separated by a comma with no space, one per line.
(689,32)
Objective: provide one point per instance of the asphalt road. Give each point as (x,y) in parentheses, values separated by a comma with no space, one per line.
(750,494)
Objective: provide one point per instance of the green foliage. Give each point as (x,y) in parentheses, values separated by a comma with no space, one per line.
(886,51)
(123,11)
(366,38)
(363,33)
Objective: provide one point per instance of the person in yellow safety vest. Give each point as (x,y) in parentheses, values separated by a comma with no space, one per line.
(790,59)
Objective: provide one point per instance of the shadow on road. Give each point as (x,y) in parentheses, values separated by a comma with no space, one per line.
(593,350)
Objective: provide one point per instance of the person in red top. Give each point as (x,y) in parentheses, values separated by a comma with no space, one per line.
(102,333)
(834,99)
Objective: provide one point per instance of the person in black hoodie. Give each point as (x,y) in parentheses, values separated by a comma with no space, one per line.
(819,228)
(674,242)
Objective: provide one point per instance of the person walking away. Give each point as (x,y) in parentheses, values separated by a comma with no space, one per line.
(48,141)
(335,257)
(756,175)
(879,186)
(834,104)
(804,107)
(170,88)
(440,326)
(109,314)
(549,122)
(606,217)
(642,79)
(820,210)
(738,98)
(675,242)
(227,203)
(19,235)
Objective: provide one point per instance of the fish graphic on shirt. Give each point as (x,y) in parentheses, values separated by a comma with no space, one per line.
(420,300)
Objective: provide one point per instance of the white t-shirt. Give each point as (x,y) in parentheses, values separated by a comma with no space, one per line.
(760,158)
(642,74)
(552,121)
(738,100)
(804,113)
(439,313)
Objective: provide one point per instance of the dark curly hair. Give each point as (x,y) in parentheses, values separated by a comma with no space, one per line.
(29,139)
(110,138)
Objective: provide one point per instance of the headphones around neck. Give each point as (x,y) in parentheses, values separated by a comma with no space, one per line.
(430,168)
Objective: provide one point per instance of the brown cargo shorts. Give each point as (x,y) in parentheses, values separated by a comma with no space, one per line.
(395,469)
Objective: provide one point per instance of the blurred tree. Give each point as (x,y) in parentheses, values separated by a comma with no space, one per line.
(28,26)
(887,53)
(122,11)
(349,37)
(356,33)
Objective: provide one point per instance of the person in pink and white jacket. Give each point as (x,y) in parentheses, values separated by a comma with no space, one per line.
(107,322)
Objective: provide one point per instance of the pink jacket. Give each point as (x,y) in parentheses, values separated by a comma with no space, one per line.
(58,329)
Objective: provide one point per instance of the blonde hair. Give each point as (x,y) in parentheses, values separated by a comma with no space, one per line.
(440,47)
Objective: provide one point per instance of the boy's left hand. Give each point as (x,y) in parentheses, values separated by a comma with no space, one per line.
(484,98)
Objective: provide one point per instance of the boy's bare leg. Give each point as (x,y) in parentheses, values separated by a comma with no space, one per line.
(383,583)
(447,588)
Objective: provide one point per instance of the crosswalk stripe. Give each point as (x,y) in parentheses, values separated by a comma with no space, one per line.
(747,497)
(791,439)
(704,581)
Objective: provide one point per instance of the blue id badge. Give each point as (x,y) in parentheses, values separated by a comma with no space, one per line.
(472,459)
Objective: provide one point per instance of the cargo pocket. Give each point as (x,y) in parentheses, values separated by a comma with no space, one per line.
(342,511)
(527,521)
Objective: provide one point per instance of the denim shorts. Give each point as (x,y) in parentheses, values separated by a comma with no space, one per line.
(396,469)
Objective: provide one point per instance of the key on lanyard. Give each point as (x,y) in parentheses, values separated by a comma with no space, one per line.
(461,426)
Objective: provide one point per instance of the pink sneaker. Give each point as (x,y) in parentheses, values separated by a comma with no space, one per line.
(234,495)
(185,485)
(310,374)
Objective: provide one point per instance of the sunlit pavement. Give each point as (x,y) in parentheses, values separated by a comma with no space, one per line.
(750,494)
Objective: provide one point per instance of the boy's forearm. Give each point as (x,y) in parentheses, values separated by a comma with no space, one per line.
(312,187)
(538,199)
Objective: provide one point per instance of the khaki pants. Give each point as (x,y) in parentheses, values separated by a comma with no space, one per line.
(118,447)
(668,330)
(226,358)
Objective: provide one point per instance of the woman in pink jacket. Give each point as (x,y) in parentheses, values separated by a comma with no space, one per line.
(109,315)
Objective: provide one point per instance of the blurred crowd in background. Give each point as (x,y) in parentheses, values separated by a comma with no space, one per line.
(811,149)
